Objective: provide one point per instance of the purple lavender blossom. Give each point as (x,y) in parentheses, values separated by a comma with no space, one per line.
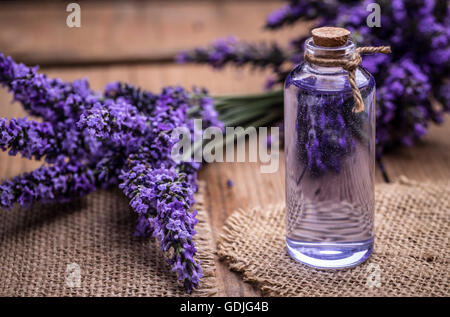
(327,129)
(418,32)
(52,99)
(160,190)
(143,100)
(305,10)
(231,51)
(31,139)
(405,84)
(60,182)
(203,106)
(270,83)
(118,123)
(417,69)
(123,137)
(163,198)
(58,103)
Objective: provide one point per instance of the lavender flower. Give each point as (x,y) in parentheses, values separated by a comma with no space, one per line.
(31,139)
(163,198)
(118,123)
(305,10)
(327,129)
(231,51)
(121,138)
(418,32)
(52,99)
(203,106)
(406,84)
(417,69)
(60,182)
(144,101)
(160,190)
(58,103)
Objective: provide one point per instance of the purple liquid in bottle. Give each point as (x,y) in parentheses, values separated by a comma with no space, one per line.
(330,163)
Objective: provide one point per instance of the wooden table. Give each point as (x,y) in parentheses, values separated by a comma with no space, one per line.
(135,42)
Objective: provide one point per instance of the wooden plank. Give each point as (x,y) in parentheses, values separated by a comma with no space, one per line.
(120,31)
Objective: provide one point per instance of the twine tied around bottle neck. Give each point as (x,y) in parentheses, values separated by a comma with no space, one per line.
(350,65)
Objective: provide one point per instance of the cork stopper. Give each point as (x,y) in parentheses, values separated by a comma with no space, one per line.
(328,36)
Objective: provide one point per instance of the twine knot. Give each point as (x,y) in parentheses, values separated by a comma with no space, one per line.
(350,65)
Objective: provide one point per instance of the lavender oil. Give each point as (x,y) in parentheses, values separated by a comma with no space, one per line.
(330,160)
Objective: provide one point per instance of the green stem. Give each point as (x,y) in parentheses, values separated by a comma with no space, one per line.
(269,118)
(252,107)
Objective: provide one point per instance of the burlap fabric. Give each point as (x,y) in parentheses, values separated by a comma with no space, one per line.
(411,256)
(44,248)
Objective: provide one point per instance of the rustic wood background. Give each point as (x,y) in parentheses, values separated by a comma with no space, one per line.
(135,41)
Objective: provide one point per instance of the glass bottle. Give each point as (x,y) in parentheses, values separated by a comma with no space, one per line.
(330,162)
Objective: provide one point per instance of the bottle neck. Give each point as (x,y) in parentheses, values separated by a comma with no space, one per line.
(344,52)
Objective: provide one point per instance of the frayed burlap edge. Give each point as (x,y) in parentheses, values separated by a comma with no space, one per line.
(227,252)
(204,244)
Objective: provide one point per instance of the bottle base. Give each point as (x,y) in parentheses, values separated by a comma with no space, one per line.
(324,255)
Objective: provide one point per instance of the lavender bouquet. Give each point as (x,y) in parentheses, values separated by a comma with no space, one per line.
(121,137)
(413,82)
